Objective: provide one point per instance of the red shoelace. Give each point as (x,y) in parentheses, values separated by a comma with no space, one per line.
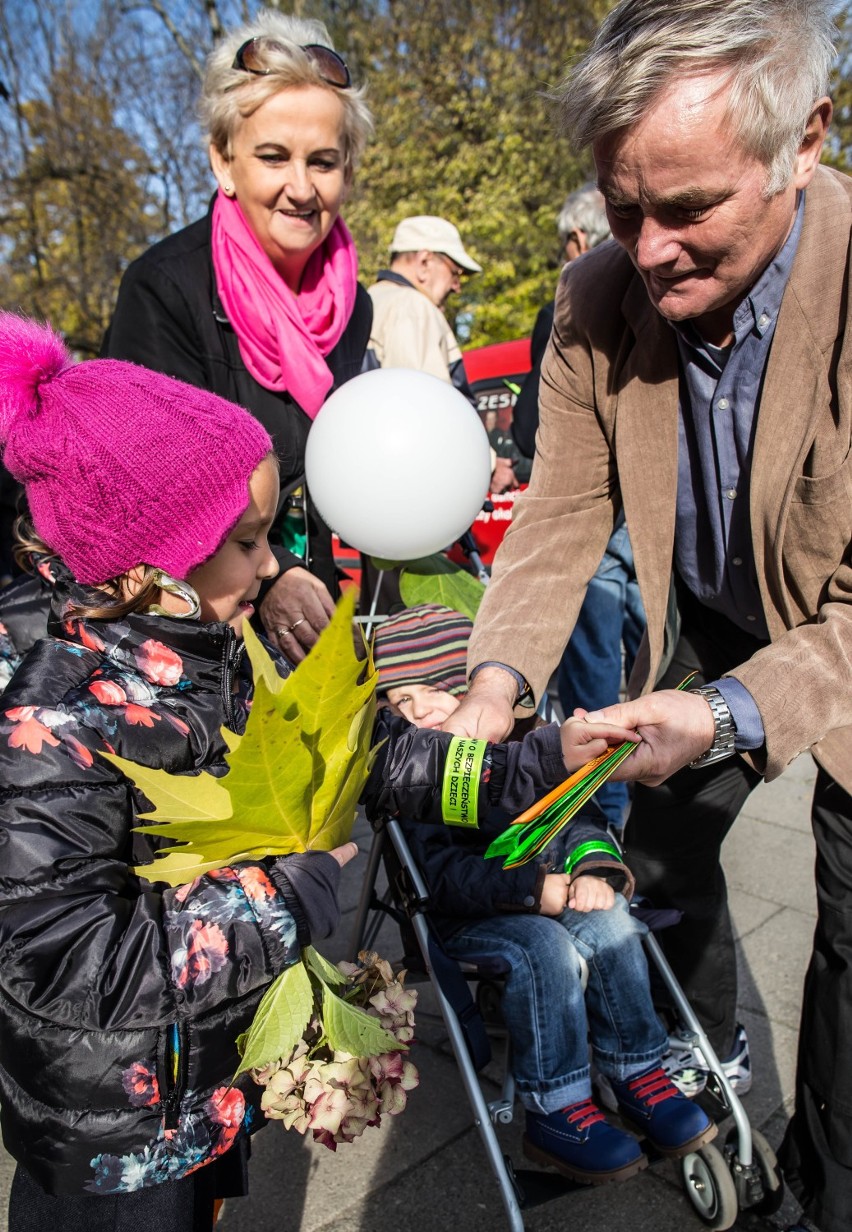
(583,1114)
(653,1087)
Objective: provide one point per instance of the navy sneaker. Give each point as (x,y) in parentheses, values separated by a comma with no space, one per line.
(579,1142)
(651,1104)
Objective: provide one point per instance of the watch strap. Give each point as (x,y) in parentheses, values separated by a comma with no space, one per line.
(725,729)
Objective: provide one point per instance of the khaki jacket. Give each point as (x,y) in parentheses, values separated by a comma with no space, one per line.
(410,332)
(609,435)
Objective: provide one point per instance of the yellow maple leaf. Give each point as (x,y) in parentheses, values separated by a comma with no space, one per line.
(295,775)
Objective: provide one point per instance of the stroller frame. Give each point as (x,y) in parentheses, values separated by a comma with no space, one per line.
(718,1183)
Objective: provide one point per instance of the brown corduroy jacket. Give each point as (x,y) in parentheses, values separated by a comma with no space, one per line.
(609,435)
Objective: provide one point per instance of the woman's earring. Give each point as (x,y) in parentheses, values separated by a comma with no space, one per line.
(228,190)
(182,590)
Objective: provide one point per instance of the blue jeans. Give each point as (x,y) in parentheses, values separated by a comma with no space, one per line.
(550,1019)
(589,674)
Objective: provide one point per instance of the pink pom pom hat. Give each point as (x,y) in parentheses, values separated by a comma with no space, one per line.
(121,466)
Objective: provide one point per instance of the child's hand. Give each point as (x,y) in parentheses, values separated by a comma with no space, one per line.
(345,853)
(582,741)
(588,893)
(554,894)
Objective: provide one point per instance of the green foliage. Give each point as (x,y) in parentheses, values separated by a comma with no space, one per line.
(434,579)
(289,1004)
(282,1016)
(464,129)
(351,1029)
(322,968)
(295,775)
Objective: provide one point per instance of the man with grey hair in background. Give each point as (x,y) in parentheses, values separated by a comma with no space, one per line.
(698,377)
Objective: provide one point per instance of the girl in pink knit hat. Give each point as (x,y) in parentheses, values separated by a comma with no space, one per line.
(120,998)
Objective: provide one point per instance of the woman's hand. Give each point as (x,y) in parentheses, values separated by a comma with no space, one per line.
(295,611)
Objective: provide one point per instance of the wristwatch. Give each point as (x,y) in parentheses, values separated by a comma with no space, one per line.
(723,740)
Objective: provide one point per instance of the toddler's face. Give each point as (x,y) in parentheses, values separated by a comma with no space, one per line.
(422,704)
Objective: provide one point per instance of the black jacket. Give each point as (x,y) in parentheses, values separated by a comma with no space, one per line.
(120,998)
(169,317)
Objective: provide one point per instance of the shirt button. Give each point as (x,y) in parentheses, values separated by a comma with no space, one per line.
(763,320)
(722,404)
(738,560)
(529,901)
(731,493)
(751,618)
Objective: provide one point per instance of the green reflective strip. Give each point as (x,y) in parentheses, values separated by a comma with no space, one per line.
(460,791)
(585,849)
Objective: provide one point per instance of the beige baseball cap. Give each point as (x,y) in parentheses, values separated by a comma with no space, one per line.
(436,235)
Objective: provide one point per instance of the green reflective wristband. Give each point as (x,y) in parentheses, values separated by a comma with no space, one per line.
(586,849)
(460,791)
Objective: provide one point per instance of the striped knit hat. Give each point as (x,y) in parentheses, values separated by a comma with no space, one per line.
(423,645)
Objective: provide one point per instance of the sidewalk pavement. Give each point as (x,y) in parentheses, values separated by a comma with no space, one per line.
(426,1170)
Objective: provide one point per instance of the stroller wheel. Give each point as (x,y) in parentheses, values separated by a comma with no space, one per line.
(764,1159)
(710,1188)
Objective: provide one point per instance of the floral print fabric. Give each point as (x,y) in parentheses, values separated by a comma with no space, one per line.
(144,961)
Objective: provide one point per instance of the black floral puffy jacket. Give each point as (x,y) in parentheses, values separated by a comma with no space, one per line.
(120,998)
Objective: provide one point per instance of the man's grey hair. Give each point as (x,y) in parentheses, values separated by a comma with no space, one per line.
(584,210)
(777,53)
(228,95)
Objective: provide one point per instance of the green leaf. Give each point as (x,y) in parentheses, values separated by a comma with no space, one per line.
(434,579)
(180,797)
(388,566)
(325,971)
(262,665)
(284,1011)
(295,775)
(353,1030)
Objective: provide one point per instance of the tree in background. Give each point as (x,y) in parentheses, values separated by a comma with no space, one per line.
(102,153)
(464,130)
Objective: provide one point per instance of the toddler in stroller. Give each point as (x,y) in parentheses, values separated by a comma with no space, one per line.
(549,920)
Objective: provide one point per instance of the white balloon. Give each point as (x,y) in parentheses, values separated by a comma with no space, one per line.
(398,463)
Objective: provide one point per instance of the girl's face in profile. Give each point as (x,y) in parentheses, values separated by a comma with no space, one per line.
(422,704)
(228,583)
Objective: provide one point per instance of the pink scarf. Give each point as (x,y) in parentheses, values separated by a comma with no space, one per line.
(284,337)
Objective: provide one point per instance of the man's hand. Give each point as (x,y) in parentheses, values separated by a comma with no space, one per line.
(675,728)
(554,894)
(588,893)
(486,712)
(295,611)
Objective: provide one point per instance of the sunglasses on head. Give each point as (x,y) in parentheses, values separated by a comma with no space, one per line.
(330,66)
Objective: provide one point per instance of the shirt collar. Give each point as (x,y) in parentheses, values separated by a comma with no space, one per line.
(759,310)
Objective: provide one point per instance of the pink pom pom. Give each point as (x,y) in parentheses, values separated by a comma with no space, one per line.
(30,354)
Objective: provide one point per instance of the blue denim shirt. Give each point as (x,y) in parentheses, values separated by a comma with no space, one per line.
(719,396)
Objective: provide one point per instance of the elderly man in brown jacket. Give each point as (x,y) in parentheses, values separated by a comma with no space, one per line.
(698,376)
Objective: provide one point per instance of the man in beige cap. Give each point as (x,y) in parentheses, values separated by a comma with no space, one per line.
(410,330)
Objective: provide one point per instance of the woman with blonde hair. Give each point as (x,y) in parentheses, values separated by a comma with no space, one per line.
(259,300)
